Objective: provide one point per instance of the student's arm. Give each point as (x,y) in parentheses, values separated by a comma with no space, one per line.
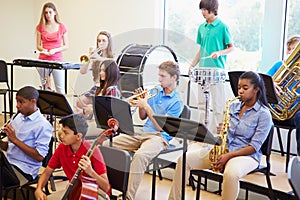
(30,151)
(146,111)
(222,52)
(101,180)
(195,61)
(39,194)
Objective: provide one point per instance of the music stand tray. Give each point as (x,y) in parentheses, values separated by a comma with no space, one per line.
(269,85)
(192,130)
(53,104)
(110,107)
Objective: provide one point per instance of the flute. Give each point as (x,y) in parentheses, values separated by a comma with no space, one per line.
(2,133)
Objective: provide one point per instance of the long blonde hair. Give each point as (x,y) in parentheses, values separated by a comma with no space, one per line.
(52,6)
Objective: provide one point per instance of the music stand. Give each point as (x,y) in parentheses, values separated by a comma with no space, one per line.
(186,129)
(53,104)
(7,173)
(106,107)
(269,85)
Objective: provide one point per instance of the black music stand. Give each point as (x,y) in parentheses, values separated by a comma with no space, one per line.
(186,129)
(110,107)
(53,104)
(269,85)
(7,173)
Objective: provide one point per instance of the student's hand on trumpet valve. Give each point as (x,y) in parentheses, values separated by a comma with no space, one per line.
(140,100)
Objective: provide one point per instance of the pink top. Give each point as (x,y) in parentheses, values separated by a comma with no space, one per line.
(51,41)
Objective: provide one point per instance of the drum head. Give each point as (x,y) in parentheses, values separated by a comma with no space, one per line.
(139,66)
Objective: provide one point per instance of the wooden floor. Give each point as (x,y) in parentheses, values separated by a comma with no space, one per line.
(279,182)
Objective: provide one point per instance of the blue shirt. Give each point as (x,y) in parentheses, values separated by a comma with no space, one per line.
(164,104)
(213,37)
(250,130)
(273,70)
(35,131)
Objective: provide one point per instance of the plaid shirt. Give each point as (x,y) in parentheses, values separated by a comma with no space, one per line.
(113,91)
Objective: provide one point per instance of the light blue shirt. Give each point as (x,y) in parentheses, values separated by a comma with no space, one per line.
(250,130)
(35,131)
(162,104)
(274,69)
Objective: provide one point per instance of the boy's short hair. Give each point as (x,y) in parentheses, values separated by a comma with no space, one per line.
(171,67)
(210,5)
(76,123)
(28,92)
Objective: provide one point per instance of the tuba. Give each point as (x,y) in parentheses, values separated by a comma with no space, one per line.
(287,78)
(221,149)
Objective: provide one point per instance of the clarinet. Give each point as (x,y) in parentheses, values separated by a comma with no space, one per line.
(114,125)
(2,133)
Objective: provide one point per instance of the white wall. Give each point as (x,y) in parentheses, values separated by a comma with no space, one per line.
(125,20)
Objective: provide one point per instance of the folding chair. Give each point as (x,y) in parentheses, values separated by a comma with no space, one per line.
(118,164)
(293,173)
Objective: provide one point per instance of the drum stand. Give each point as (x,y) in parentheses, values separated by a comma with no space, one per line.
(206,93)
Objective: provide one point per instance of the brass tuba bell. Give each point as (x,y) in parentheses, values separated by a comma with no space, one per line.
(287,78)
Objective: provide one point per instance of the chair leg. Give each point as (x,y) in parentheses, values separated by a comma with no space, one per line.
(153,184)
(246,194)
(271,192)
(280,141)
(159,174)
(4,101)
(191,182)
(288,149)
(198,187)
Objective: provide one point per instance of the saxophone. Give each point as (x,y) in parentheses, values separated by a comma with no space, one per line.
(221,149)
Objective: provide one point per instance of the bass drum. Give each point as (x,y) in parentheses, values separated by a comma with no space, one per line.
(139,66)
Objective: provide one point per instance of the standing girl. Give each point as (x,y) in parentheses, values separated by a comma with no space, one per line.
(51,40)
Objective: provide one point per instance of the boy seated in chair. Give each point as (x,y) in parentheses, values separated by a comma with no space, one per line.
(71,155)
(28,136)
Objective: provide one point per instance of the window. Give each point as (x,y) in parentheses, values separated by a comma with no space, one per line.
(292,17)
(244,18)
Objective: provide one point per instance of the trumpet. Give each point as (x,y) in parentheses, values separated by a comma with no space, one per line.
(2,133)
(143,95)
(85,59)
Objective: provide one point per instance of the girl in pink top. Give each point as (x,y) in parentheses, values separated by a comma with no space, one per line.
(51,40)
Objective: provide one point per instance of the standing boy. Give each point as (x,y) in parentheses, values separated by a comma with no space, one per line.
(215,43)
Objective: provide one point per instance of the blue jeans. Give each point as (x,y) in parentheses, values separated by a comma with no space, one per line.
(294,121)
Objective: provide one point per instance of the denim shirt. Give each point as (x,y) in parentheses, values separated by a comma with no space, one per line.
(250,130)
(164,104)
